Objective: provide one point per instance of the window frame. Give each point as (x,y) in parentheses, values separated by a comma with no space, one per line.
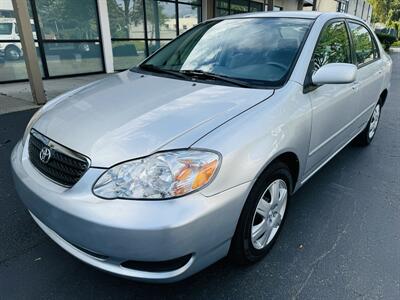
(378,50)
(308,86)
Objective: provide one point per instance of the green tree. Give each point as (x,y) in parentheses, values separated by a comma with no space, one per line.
(386,11)
(122,14)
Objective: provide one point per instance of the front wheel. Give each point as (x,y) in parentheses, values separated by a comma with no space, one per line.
(12,53)
(367,135)
(263,215)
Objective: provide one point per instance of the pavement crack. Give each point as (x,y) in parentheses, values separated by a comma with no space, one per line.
(320,258)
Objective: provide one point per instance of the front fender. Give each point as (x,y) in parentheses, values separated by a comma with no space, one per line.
(249,142)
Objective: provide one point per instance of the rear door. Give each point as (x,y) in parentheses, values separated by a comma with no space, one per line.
(370,75)
(333,105)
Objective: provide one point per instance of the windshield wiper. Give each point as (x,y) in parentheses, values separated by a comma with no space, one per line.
(208,75)
(155,69)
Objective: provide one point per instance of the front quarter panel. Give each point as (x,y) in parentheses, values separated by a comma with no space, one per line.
(249,142)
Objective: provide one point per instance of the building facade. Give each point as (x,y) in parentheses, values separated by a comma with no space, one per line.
(75,37)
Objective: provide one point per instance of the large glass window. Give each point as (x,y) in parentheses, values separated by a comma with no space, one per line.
(343,6)
(231,7)
(12,65)
(127,26)
(333,46)
(140,27)
(257,51)
(364,46)
(69,32)
(128,53)
(126,19)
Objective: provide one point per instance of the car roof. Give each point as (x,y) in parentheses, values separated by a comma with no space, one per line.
(289,14)
(276,14)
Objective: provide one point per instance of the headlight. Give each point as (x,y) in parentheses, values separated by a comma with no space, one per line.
(160,176)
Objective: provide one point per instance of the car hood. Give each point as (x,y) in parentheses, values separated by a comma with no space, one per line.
(130,115)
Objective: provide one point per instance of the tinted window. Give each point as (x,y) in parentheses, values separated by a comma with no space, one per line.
(5,28)
(258,50)
(32,27)
(364,47)
(72,19)
(333,46)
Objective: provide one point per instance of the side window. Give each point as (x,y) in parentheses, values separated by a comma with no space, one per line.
(364,46)
(333,46)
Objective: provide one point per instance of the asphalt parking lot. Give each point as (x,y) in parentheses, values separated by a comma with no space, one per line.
(341,239)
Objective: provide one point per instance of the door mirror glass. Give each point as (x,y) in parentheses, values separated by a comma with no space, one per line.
(336,73)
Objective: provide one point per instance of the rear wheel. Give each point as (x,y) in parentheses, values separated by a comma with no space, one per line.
(367,135)
(12,53)
(263,215)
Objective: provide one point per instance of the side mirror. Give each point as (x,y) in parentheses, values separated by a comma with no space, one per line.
(335,74)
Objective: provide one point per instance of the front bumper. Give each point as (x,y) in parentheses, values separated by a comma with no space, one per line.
(121,230)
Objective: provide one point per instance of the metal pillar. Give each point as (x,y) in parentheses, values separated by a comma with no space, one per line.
(29,50)
(207,8)
(105,36)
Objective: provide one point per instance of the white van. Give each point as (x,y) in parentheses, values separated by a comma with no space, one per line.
(11,50)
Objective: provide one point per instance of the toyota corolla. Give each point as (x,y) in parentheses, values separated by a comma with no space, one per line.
(161,170)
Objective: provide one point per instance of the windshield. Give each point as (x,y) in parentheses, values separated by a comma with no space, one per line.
(258,51)
(5,28)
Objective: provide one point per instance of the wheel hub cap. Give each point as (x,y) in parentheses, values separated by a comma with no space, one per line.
(269,214)
(374,121)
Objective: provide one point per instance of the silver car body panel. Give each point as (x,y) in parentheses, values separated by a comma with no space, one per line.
(129,116)
(132,115)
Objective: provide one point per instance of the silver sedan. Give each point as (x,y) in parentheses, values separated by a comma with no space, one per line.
(159,171)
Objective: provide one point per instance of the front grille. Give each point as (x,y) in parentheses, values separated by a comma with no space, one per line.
(64,166)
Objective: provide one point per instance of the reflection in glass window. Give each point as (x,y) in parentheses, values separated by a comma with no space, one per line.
(128,53)
(364,46)
(155,45)
(222,3)
(189,16)
(333,46)
(126,18)
(12,65)
(230,7)
(73,58)
(256,6)
(72,19)
(5,28)
(256,50)
(161,19)
(239,6)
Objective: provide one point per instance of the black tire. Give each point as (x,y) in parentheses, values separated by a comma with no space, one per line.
(365,138)
(242,250)
(12,53)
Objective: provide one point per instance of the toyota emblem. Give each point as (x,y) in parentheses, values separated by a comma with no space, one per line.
(45,155)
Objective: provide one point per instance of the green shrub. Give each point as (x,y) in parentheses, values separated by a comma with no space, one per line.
(386,40)
(396,44)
